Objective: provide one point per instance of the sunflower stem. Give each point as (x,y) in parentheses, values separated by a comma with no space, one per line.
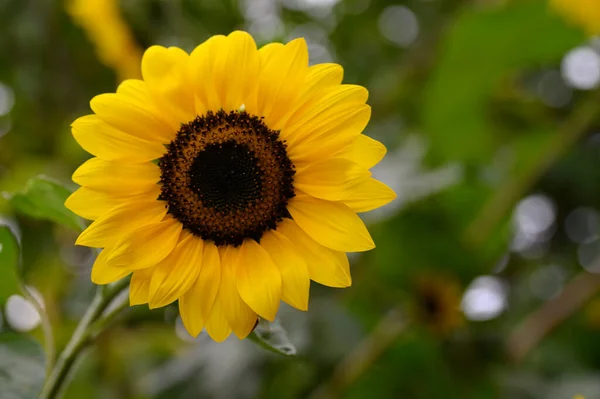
(92,324)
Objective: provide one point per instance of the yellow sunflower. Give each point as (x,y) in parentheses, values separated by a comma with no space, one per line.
(585,13)
(227,179)
(436,303)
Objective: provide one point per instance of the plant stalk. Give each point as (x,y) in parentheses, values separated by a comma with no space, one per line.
(90,325)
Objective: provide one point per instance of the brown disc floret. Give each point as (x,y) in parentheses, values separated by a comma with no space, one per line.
(226,176)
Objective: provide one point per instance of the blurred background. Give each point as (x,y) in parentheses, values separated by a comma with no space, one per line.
(484,283)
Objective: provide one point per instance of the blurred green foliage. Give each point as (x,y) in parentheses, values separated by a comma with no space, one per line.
(471,91)
(9,259)
(22,363)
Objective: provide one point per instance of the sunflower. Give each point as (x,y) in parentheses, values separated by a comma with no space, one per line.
(436,303)
(585,13)
(227,179)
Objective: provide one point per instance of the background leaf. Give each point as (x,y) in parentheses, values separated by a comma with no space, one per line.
(44,198)
(21,367)
(482,48)
(273,337)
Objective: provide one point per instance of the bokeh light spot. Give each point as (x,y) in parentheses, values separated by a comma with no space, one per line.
(581,68)
(535,214)
(588,256)
(484,299)
(582,225)
(399,25)
(21,315)
(7,99)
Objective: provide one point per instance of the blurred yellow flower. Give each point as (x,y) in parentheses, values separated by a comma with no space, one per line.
(578,397)
(262,170)
(436,303)
(585,13)
(105,27)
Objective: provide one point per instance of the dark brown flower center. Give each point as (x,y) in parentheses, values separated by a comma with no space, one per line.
(227,177)
(431,305)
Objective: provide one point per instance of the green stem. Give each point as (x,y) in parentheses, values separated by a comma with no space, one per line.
(82,337)
(120,302)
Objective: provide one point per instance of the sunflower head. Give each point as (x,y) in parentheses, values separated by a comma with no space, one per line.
(436,303)
(585,13)
(227,179)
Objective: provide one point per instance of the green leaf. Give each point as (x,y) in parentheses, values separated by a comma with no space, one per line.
(9,263)
(521,35)
(21,367)
(272,337)
(45,199)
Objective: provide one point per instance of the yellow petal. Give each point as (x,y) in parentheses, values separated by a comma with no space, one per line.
(319,79)
(331,224)
(322,76)
(103,140)
(139,286)
(368,194)
(236,67)
(175,274)
(147,246)
(196,304)
(102,273)
(162,67)
(283,70)
(133,115)
(327,132)
(268,50)
(165,71)
(217,326)
(190,316)
(111,227)
(201,70)
(326,104)
(92,204)
(295,280)
(325,266)
(330,179)
(116,177)
(363,150)
(238,314)
(138,95)
(137,92)
(258,279)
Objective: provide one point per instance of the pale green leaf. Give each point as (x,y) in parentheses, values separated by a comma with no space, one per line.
(44,199)
(273,337)
(21,367)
